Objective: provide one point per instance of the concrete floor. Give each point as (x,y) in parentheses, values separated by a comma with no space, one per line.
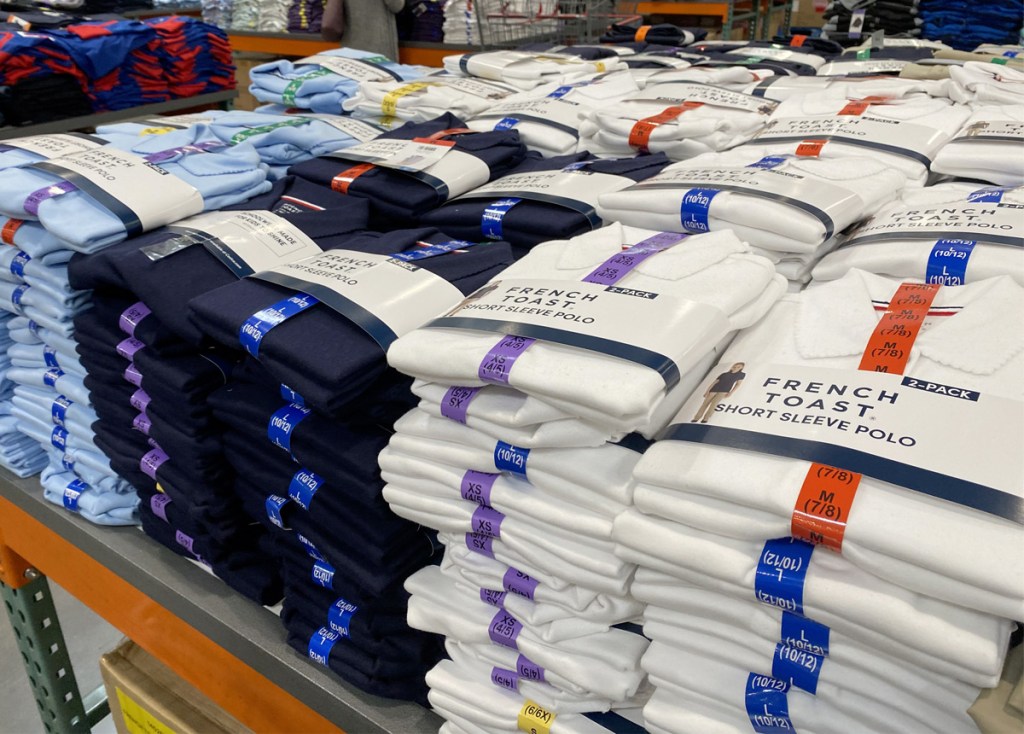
(88,637)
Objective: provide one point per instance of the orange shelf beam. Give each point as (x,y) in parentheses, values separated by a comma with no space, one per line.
(295,44)
(239,689)
(683,8)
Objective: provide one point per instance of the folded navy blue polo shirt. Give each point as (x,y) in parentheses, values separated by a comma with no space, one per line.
(824,46)
(530,222)
(398,198)
(224,532)
(320,353)
(782,68)
(166,282)
(98,329)
(661,33)
(250,573)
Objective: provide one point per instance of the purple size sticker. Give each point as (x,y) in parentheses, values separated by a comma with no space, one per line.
(504,629)
(129,347)
(487,521)
(517,582)
(132,316)
(529,669)
(132,375)
(140,400)
(185,541)
(497,364)
(476,486)
(503,678)
(494,598)
(142,424)
(480,544)
(158,504)
(37,197)
(455,403)
(615,268)
(151,461)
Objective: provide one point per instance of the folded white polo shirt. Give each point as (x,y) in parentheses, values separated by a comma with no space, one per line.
(780,203)
(710,612)
(606,663)
(425,98)
(988,147)
(714,271)
(847,87)
(731,77)
(527,69)
(905,133)
(929,545)
(948,233)
(834,591)
(984,83)
(547,118)
(681,119)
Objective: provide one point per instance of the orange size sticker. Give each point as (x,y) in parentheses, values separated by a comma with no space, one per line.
(640,135)
(641,33)
(810,148)
(798,40)
(888,349)
(343,180)
(860,106)
(10,227)
(823,505)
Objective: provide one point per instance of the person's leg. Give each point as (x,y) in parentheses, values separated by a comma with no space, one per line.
(712,402)
(709,403)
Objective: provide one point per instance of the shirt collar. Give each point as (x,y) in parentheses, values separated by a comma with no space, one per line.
(836,319)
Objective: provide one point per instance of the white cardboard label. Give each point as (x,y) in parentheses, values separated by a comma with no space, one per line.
(991,131)
(820,198)
(995,223)
(53,146)
(598,318)
(477,88)
(155,196)
(779,54)
(577,190)
(670,61)
(350,68)
(696,92)
(914,141)
(545,111)
(188,120)
(872,416)
(874,66)
(384,296)
(247,242)
(404,155)
(358,129)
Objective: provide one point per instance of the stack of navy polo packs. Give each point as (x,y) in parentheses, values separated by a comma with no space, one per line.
(303,421)
(400,198)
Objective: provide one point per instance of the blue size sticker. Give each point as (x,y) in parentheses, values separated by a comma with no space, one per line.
(494,214)
(781,571)
(767,705)
(770,161)
(33,327)
(59,438)
(274,503)
(562,91)
(51,377)
(50,357)
(19,262)
(256,326)
(310,548)
(291,396)
(510,458)
(16,297)
(798,667)
(1011,54)
(339,617)
(59,410)
(428,250)
(693,212)
(321,643)
(990,195)
(323,574)
(304,486)
(947,263)
(282,424)
(507,123)
(67,462)
(72,492)
(804,634)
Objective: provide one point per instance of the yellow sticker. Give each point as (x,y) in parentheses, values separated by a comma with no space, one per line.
(534,719)
(160,488)
(137,720)
(157,130)
(601,68)
(389,105)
